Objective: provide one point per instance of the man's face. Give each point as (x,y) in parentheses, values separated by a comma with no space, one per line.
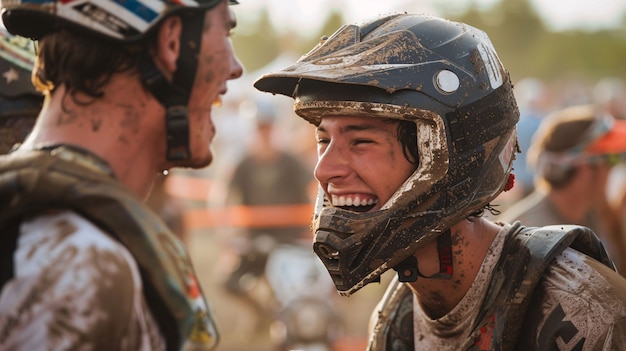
(360,161)
(217,64)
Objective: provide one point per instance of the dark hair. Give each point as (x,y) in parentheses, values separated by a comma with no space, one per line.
(407,136)
(84,63)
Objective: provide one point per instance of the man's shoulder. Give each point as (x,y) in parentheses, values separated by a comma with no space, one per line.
(578,274)
(579,301)
(66,239)
(69,273)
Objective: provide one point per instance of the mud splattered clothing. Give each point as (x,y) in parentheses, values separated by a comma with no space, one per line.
(74,288)
(85,275)
(568,302)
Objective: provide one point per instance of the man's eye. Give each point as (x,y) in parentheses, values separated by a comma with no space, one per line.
(322,141)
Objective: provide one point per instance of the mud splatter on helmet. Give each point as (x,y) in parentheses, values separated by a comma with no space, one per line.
(127,21)
(19,101)
(444,76)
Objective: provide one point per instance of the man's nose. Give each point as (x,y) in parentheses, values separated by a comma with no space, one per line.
(332,163)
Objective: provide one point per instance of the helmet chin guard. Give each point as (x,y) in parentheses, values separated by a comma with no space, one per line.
(447,79)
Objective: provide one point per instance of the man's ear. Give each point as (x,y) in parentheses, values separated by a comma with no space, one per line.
(168,45)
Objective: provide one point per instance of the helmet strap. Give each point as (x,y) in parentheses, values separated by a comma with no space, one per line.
(408,270)
(174,96)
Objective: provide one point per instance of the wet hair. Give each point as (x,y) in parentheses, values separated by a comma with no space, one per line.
(407,136)
(84,63)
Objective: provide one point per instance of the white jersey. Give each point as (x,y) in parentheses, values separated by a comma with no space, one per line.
(74,288)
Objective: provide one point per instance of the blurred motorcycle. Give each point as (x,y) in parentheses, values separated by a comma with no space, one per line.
(305,318)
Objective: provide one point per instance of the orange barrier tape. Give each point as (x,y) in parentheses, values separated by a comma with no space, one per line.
(250,216)
(191,188)
(350,344)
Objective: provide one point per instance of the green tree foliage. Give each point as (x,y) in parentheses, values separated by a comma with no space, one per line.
(259,44)
(527,48)
(525,45)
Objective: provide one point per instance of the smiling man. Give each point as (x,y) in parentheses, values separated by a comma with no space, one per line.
(416,135)
(129,91)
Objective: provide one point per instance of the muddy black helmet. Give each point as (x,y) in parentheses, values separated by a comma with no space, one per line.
(446,78)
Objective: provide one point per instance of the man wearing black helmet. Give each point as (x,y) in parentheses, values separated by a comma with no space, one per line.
(129,90)
(416,135)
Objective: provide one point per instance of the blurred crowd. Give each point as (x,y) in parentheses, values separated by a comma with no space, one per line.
(567,173)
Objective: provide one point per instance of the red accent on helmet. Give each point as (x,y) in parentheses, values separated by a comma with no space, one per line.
(510,182)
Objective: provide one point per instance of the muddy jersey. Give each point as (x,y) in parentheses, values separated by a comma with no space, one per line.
(74,288)
(65,177)
(579,304)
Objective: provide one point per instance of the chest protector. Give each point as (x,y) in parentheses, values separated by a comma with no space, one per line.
(526,254)
(36,181)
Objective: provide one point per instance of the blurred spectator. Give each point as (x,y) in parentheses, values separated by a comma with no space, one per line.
(267,182)
(532,99)
(573,152)
(610,95)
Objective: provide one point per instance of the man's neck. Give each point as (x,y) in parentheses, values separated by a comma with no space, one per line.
(118,128)
(470,242)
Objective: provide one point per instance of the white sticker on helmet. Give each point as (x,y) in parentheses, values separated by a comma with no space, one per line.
(492,65)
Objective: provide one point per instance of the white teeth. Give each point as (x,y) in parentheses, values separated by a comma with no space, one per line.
(349,201)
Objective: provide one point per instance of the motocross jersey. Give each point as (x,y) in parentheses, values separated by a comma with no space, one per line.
(73,236)
(537,289)
(74,288)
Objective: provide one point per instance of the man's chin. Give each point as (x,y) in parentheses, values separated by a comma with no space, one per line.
(196,162)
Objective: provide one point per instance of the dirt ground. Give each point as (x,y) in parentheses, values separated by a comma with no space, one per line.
(234,320)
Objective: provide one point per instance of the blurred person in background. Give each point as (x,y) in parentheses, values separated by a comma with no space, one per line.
(20,102)
(609,94)
(416,120)
(573,152)
(266,184)
(533,100)
(129,89)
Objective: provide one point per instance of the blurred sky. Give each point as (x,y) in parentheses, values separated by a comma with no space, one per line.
(308,15)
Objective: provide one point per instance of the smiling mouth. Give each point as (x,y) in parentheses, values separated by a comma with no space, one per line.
(354,203)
